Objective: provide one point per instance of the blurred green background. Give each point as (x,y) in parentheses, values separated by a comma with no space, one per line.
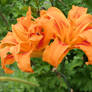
(72,73)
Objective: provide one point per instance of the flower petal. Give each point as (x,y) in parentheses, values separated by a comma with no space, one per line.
(36,38)
(50,23)
(48,33)
(9,59)
(5,59)
(44,29)
(25,46)
(55,53)
(87,35)
(83,22)
(24,62)
(22,58)
(76,12)
(19,32)
(61,21)
(87,49)
(8,40)
(26,21)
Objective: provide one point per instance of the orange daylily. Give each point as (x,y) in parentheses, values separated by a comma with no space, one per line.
(28,39)
(31,40)
(19,45)
(73,32)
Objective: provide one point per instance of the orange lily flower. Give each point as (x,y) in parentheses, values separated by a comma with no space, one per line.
(73,32)
(31,39)
(19,44)
(26,40)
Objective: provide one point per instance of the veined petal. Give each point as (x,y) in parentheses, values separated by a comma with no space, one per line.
(48,32)
(5,59)
(19,32)
(83,22)
(9,59)
(76,12)
(87,49)
(8,40)
(25,46)
(22,58)
(49,28)
(4,51)
(89,27)
(15,50)
(26,21)
(24,62)
(58,15)
(55,53)
(87,35)
(61,20)
(35,38)
(44,29)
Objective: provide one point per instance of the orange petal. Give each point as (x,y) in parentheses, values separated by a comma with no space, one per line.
(19,32)
(35,38)
(15,50)
(87,35)
(87,49)
(5,59)
(42,32)
(25,46)
(48,33)
(61,21)
(26,21)
(23,59)
(48,28)
(89,27)
(4,51)
(24,62)
(55,53)
(83,22)
(9,59)
(76,12)
(8,40)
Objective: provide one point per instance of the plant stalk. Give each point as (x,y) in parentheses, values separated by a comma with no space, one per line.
(2,78)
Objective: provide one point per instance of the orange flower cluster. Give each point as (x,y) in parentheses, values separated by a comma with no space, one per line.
(30,37)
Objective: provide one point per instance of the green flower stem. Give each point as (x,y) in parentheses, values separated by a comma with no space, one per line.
(2,78)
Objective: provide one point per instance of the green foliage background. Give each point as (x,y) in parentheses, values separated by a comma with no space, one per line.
(72,73)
